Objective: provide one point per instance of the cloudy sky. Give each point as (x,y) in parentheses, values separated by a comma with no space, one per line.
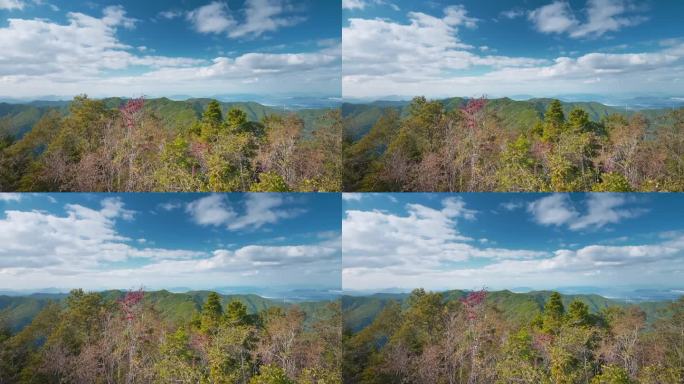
(508,241)
(198,241)
(174,47)
(443,48)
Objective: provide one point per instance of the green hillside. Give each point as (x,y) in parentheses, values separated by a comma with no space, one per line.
(17,119)
(514,114)
(18,311)
(516,308)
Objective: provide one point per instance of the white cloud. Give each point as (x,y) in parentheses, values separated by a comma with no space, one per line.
(384,57)
(353,4)
(375,257)
(378,52)
(5,196)
(83,239)
(362,4)
(602,16)
(113,208)
(85,55)
(211,210)
(556,17)
(665,256)
(85,46)
(554,209)
(12,4)
(426,239)
(84,248)
(590,73)
(602,209)
(259,256)
(352,196)
(115,15)
(512,13)
(211,18)
(424,248)
(260,16)
(263,16)
(512,205)
(170,14)
(259,210)
(262,209)
(170,205)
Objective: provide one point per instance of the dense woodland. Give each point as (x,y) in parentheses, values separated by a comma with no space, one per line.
(428,147)
(89,339)
(97,148)
(430,340)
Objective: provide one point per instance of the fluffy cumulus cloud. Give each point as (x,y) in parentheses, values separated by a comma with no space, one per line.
(83,238)
(427,55)
(259,256)
(211,18)
(85,247)
(424,239)
(260,16)
(257,210)
(423,49)
(601,210)
(425,248)
(602,16)
(624,265)
(86,54)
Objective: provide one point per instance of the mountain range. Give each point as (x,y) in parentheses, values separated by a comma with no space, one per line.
(18,311)
(518,308)
(514,114)
(17,118)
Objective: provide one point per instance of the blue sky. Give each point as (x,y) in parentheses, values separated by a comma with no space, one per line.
(199,241)
(175,47)
(512,47)
(508,241)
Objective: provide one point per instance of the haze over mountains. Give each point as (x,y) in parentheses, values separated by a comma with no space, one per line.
(627,101)
(625,294)
(517,307)
(17,117)
(515,113)
(174,307)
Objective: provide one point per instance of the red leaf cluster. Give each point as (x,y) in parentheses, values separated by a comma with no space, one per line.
(130,301)
(473,302)
(471,111)
(131,111)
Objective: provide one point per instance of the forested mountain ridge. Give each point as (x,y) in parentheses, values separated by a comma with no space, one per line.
(515,114)
(425,339)
(18,118)
(359,311)
(480,145)
(116,145)
(17,311)
(126,337)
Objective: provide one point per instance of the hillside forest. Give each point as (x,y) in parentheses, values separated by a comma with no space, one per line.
(502,145)
(430,339)
(94,338)
(97,147)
